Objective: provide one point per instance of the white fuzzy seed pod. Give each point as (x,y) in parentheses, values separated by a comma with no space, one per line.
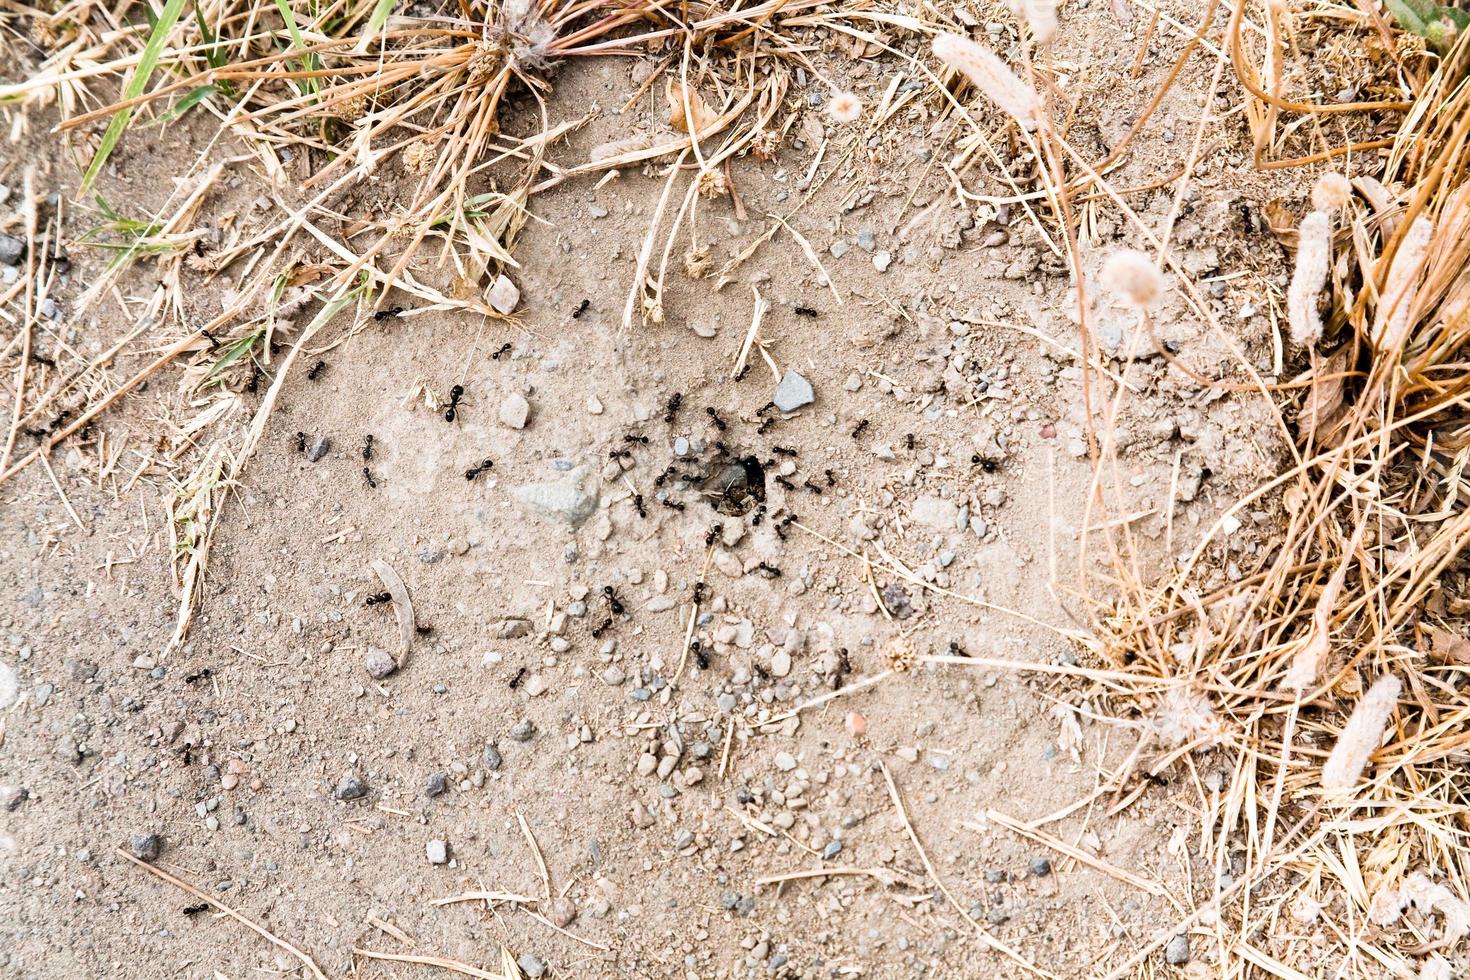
(1039,15)
(1391,320)
(1361,735)
(1313,260)
(1131,276)
(1331,192)
(991,76)
(844,107)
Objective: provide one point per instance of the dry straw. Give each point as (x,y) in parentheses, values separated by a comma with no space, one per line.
(991,76)
(1361,735)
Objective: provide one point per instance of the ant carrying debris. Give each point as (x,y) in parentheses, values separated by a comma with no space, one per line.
(367,475)
(714,531)
(758,516)
(377,598)
(714,417)
(768,570)
(831,480)
(805,311)
(784,451)
(455,394)
(199,675)
(316,370)
(504,349)
(638,505)
(988,465)
(740,375)
(613,602)
(698,593)
(581,308)
(388,314)
(301,442)
(859,429)
(764,426)
(812,487)
(475,471)
(367,447)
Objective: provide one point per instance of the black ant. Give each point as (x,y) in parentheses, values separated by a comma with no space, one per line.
(620,454)
(740,375)
(193,910)
(367,447)
(988,465)
(698,593)
(955,650)
(378,597)
(713,532)
(714,417)
(783,451)
(613,602)
(387,314)
(805,311)
(316,370)
(455,394)
(601,628)
(367,475)
(673,407)
(859,429)
(669,471)
(785,482)
(638,505)
(255,374)
(831,480)
(672,504)
(634,438)
(844,667)
(199,248)
(581,308)
(301,442)
(812,487)
(198,675)
(765,408)
(721,449)
(701,655)
(214,343)
(423,629)
(475,471)
(783,524)
(770,571)
(504,349)
(758,516)
(515,681)
(42,359)
(765,424)
(908,440)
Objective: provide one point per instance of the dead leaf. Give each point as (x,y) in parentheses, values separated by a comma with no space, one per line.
(1281,222)
(1323,405)
(1447,647)
(703,115)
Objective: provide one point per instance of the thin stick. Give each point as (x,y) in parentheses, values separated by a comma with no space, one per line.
(454,966)
(536,853)
(1075,853)
(306,961)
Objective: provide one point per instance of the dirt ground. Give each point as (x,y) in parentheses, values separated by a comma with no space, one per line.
(655,823)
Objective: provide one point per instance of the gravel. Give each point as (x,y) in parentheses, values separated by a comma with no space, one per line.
(514,411)
(523,730)
(379,662)
(504,295)
(531,966)
(492,757)
(1040,867)
(318,448)
(437,785)
(9,686)
(793,392)
(570,500)
(437,851)
(1177,952)
(145,846)
(12,250)
(350,787)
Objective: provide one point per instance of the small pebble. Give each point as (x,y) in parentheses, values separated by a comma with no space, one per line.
(531,966)
(379,662)
(438,784)
(145,846)
(514,411)
(1039,866)
(318,448)
(1177,952)
(437,851)
(350,787)
(492,756)
(523,731)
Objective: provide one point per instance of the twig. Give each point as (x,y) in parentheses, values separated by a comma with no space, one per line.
(454,966)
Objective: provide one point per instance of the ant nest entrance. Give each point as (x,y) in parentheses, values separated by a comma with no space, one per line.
(737,486)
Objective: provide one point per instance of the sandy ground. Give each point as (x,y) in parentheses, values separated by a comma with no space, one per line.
(546,744)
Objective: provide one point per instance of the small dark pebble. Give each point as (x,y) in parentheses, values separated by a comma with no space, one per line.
(438,784)
(145,847)
(523,731)
(350,787)
(1040,867)
(492,757)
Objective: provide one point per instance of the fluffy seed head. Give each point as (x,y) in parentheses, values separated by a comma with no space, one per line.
(1331,192)
(1131,276)
(1391,319)
(990,75)
(1039,15)
(1184,716)
(1361,735)
(844,107)
(1313,260)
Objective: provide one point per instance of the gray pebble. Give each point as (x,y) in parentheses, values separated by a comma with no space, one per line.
(12,250)
(1177,952)
(1040,867)
(437,851)
(866,240)
(793,392)
(318,448)
(379,662)
(10,686)
(514,411)
(145,846)
(492,756)
(832,849)
(613,676)
(726,702)
(523,731)
(350,787)
(681,446)
(531,966)
(838,248)
(438,784)
(570,500)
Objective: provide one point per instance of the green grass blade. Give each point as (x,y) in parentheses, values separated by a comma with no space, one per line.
(309,62)
(381,10)
(136,84)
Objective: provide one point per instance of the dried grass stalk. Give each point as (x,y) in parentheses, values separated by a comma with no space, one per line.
(1391,322)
